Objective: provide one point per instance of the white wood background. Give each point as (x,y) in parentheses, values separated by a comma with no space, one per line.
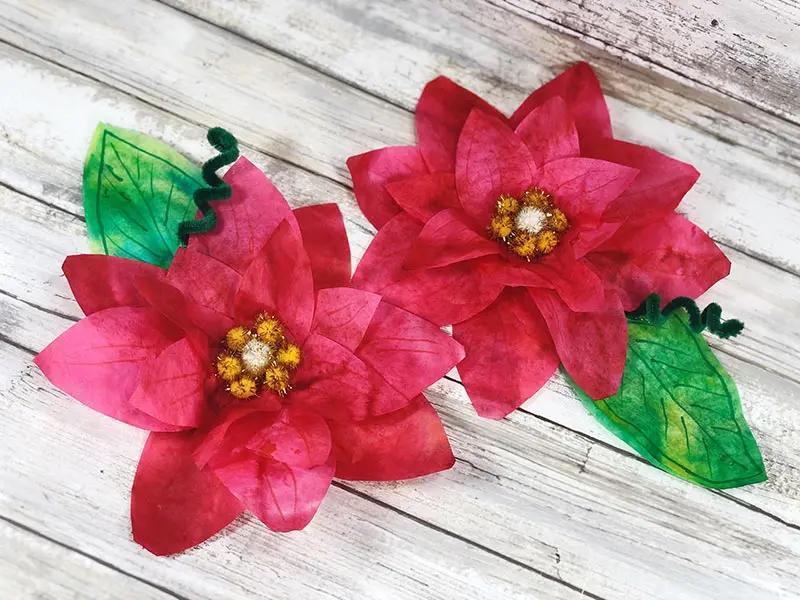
(544,504)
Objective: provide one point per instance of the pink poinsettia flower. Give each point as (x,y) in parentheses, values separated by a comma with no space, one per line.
(531,235)
(259,371)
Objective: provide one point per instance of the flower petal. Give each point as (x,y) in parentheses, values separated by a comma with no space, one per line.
(491,160)
(295,437)
(591,345)
(371,172)
(441,112)
(382,263)
(246,219)
(344,314)
(579,88)
(336,384)
(175,505)
(98,361)
(279,280)
(672,257)
(447,239)
(660,186)
(584,187)
(172,385)
(422,196)
(510,354)
(408,351)
(549,132)
(406,443)
(205,281)
(325,240)
(446,295)
(99,282)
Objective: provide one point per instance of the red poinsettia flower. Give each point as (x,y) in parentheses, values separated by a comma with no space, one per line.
(260,373)
(531,234)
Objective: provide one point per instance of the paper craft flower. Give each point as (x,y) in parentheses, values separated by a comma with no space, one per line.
(531,234)
(260,373)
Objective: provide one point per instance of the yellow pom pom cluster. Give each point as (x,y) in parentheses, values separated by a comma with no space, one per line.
(531,226)
(256,357)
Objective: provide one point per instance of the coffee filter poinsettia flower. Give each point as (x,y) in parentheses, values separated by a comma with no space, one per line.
(531,235)
(259,371)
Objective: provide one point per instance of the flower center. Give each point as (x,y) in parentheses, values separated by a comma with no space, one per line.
(256,357)
(531,226)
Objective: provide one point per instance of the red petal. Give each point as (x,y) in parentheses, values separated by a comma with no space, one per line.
(99,360)
(99,282)
(406,443)
(279,281)
(591,345)
(205,281)
(325,240)
(446,295)
(175,505)
(510,354)
(338,385)
(172,385)
(584,239)
(584,187)
(409,352)
(284,498)
(246,219)
(373,170)
(343,315)
(491,160)
(447,239)
(422,196)
(297,438)
(549,132)
(441,112)
(672,257)
(382,263)
(579,88)
(660,186)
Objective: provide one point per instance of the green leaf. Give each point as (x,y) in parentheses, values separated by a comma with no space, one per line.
(136,190)
(679,408)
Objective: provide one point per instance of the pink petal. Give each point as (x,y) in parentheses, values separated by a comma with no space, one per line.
(246,219)
(582,239)
(447,239)
(579,88)
(343,315)
(491,160)
(279,281)
(325,240)
(446,295)
(591,345)
(549,132)
(409,352)
(297,438)
(172,385)
(406,443)
(284,498)
(205,281)
(672,257)
(660,186)
(338,385)
(510,354)
(584,187)
(373,170)
(175,505)
(99,360)
(99,282)
(422,196)
(382,263)
(442,110)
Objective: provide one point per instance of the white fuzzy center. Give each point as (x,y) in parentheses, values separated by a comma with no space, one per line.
(256,356)
(530,219)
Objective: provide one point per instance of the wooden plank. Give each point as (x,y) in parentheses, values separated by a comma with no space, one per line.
(267,99)
(35,568)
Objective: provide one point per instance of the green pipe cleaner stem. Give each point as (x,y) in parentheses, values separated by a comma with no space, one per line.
(710,318)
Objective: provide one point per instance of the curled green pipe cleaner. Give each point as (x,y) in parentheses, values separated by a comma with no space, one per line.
(228,149)
(710,318)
